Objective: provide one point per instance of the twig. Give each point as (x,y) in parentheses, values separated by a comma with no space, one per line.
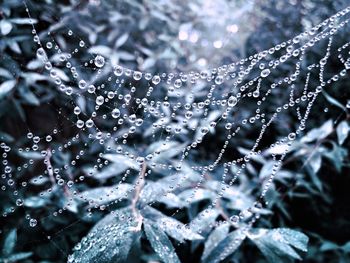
(139,185)
(49,166)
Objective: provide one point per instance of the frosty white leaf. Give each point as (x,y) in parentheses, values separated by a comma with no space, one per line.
(121,40)
(24,21)
(31,155)
(5,27)
(5,73)
(342,131)
(160,243)
(6,87)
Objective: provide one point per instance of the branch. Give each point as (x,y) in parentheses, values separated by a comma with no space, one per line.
(139,185)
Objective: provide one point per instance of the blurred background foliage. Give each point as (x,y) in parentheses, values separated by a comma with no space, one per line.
(310,194)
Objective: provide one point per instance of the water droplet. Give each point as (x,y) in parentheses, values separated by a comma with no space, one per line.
(219,80)
(292,136)
(82,84)
(118,71)
(137,75)
(99,61)
(156,80)
(265,73)
(100,100)
(115,113)
(232,101)
(33,222)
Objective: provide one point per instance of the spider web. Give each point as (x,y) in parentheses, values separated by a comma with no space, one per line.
(162,110)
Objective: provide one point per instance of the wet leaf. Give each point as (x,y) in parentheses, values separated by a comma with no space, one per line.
(226,247)
(110,240)
(343,129)
(277,244)
(6,87)
(216,236)
(9,243)
(160,243)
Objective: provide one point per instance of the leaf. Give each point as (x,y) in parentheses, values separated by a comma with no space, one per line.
(6,87)
(19,256)
(277,244)
(123,161)
(160,243)
(226,247)
(108,172)
(24,21)
(319,133)
(9,243)
(31,155)
(107,194)
(196,195)
(5,27)
(204,220)
(315,161)
(35,202)
(110,240)
(333,100)
(346,247)
(326,246)
(342,131)
(121,40)
(216,236)
(171,226)
(5,73)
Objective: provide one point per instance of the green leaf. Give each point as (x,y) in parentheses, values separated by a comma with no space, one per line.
(9,243)
(160,242)
(215,237)
(6,87)
(226,246)
(277,244)
(342,131)
(110,240)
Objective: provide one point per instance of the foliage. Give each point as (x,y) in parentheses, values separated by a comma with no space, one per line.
(308,195)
